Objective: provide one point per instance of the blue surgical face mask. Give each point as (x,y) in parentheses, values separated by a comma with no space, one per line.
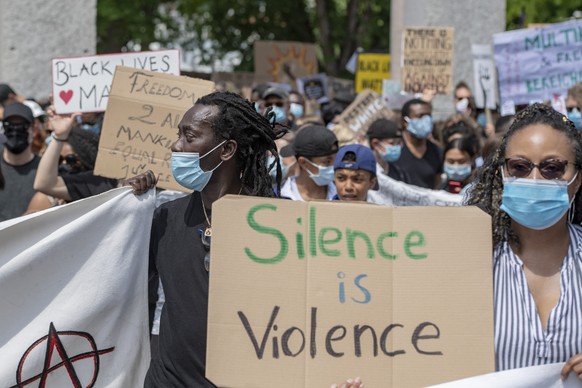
(457,172)
(296,110)
(280,115)
(325,175)
(576,117)
(273,171)
(420,128)
(391,153)
(257,107)
(482,120)
(535,203)
(187,171)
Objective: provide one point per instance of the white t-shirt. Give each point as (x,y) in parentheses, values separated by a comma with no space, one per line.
(290,190)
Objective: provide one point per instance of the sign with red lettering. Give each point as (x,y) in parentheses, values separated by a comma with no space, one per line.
(427,59)
(305,294)
(141,123)
(83,84)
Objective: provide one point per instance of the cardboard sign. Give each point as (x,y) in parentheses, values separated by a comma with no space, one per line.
(141,123)
(337,86)
(535,63)
(427,59)
(240,79)
(485,76)
(285,62)
(306,294)
(366,108)
(314,87)
(371,70)
(83,84)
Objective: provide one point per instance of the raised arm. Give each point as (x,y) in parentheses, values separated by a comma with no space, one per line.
(47,178)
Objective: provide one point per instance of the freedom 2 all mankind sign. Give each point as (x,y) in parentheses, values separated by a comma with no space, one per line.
(304,294)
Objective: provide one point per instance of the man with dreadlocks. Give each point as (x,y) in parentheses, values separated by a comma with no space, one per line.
(221,149)
(531,189)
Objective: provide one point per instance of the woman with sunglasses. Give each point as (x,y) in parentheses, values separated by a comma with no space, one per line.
(65,170)
(531,189)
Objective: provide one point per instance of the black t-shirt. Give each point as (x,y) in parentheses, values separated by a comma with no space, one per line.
(424,170)
(397,173)
(177,254)
(85,184)
(18,189)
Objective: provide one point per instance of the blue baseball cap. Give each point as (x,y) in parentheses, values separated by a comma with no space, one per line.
(355,157)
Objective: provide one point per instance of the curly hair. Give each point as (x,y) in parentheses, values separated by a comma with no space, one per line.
(254,134)
(86,145)
(487,189)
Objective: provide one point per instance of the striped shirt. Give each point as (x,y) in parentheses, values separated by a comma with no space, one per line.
(520,340)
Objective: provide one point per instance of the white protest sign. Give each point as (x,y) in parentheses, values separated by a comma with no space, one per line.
(82,84)
(73,294)
(508,108)
(535,63)
(485,76)
(396,193)
(559,104)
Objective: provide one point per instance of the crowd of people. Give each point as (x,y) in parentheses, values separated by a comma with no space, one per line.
(522,169)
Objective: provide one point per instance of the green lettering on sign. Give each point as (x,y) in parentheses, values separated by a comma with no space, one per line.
(284,245)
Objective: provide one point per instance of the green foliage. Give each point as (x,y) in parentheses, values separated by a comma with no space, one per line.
(520,13)
(219,27)
(223,26)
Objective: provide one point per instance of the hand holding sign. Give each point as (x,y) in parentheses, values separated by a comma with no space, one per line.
(61,124)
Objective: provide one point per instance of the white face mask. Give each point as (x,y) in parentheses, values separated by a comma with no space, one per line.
(325,175)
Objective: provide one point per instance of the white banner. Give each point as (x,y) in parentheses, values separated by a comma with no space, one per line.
(543,376)
(82,84)
(73,294)
(535,63)
(484,76)
(396,193)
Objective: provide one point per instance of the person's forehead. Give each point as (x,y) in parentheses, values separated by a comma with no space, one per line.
(294,97)
(322,157)
(199,115)
(273,98)
(352,173)
(462,92)
(420,108)
(539,140)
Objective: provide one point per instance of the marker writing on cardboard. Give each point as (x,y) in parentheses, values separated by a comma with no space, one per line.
(293,340)
(326,240)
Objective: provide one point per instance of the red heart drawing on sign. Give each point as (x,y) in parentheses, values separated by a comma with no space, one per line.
(66,96)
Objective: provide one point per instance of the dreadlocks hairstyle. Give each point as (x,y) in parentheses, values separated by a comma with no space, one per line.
(238,120)
(488,186)
(85,144)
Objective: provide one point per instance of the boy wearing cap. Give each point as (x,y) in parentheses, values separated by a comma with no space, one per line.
(385,139)
(355,172)
(18,162)
(315,148)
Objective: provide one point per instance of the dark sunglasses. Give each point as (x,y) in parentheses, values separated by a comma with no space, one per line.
(70,159)
(9,127)
(550,169)
(279,104)
(570,108)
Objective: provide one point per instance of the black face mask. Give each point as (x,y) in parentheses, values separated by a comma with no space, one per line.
(16,141)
